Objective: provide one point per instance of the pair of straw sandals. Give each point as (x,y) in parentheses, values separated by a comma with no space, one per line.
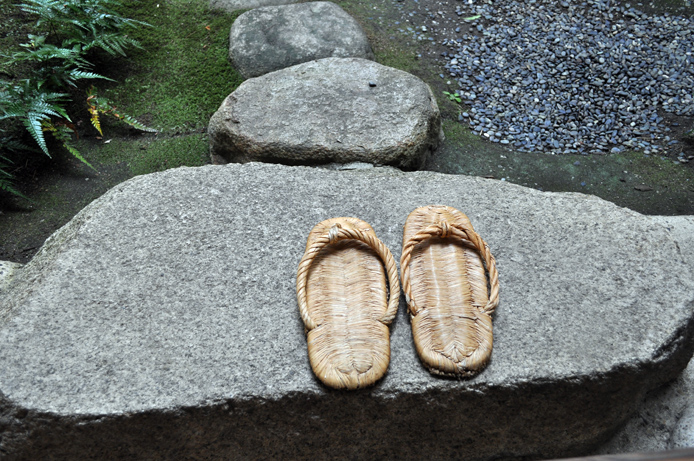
(450,283)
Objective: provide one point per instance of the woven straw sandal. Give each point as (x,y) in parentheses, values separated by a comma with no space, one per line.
(443,276)
(344,302)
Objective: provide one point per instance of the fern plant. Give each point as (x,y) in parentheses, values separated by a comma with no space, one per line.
(33,105)
(57,60)
(89,23)
(55,66)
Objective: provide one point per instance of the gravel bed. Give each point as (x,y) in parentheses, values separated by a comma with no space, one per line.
(571,77)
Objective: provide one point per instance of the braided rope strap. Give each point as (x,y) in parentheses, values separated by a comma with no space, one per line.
(335,234)
(459,231)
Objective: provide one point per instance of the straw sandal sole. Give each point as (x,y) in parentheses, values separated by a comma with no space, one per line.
(344,302)
(449,296)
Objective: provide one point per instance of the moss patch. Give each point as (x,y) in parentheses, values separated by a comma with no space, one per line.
(150,154)
(378,24)
(647,184)
(182,74)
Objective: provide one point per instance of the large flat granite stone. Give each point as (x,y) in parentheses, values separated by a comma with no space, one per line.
(665,419)
(161,322)
(8,269)
(332,110)
(274,37)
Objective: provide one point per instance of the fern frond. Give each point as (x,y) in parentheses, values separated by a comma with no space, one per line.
(6,183)
(43,54)
(63,134)
(100,105)
(134,123)
(95,119)
(77,155)
(41,110)
(7,186)
(53,97)
(49,103)
(12,145)
(80,74)
(13,110)
(52,12)
(113,43)
(5,174)
(35,129)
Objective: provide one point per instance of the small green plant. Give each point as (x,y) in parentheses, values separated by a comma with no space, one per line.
(100,105)
(30,102)
(54,66)
(88,23)
(453,96)
(57,60)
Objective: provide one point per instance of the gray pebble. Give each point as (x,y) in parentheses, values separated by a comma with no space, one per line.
(580,82)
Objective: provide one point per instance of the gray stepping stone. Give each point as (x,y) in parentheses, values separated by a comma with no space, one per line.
(274,37)
(7,270)
(233,5)
(338,110)
(161,322)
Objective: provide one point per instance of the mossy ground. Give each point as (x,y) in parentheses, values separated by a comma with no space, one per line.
(182,74)
(649,184)
(148,154)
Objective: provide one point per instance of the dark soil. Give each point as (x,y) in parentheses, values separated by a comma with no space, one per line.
(651,185)
(58,190)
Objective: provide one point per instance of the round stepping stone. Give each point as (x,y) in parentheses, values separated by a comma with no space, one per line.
(332,110)
(274,37)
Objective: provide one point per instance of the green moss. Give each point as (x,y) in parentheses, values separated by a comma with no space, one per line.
(182,74)
(389,47)
(150,154)
(647,184)
(655,169)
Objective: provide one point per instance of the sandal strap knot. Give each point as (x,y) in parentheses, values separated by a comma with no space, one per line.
(335,234)
(444,229)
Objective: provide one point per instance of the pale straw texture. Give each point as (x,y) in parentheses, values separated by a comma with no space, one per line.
(449,295)
(344,302)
